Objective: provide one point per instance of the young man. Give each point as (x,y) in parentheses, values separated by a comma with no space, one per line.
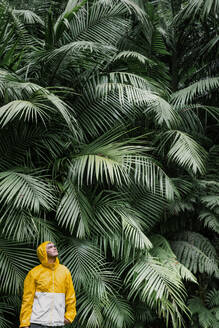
(49,296)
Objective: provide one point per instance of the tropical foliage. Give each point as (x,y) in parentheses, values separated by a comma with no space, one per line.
(109,148)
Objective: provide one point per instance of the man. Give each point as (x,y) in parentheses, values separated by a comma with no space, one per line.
(49,296)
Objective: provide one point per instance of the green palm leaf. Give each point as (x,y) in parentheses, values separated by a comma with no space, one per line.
(25,110)
(75,212)
(205,317)
(210,220)
(109,161)
(28,16)
(23,226)
(90,311)
(110,215)
(21,190)
(162,251)
(105,23)
(212,298)
(15,261)
(148,205)
(113,217)
(139,91)
(88,267)
(36,103)
(135,55)
(188,95)
(211,201)
(195,252)
(102,113)
(79,50)
(159,286)
(65,18)
(185,151)
(5,310)
(148,173)
(202,8)
(118,313)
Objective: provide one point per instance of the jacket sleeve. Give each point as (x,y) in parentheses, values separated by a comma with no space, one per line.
(70,299)
(27,302)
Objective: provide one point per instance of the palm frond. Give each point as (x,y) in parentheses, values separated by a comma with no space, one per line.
(201,8)
(15,30)
(205,317)
(211,44)
(212,298)
(35,109)
(149,173)
(75,212)
(185,151)
(23,190)
(134,234)
(192,115)
(132,79)
(65,111)
(164,112)
(102,160)
(65,18)
(22,226)
(79,48)
(12,152)
(159,286)
(16,259)
(181,205)
(105,21)
(97,114)
(163,252)
(117,313)
(18,89)
(13,301)
(188,95)
(134,7)
(87,267)
(30,101)
(143,313)
(195,252)
(25,110)
(210,201)
(28,16)
(5,310)
(90,311)
(191,120)
(134,55)
(118,246)
(107,160)
(20,145)
(149,205)
(210,220)
(140,92)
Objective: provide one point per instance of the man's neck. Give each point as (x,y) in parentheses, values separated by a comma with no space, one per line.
(51,260)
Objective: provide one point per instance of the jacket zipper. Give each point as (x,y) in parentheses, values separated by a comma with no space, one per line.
(53,297)
(53,281)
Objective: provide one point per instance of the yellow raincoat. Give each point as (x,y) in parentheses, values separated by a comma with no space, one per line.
(49,294)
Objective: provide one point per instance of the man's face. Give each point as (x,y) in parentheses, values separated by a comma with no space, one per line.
(51,250)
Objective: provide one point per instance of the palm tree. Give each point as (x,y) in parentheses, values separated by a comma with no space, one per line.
(102,149)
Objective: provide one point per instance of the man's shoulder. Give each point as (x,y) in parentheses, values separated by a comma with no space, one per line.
(35,269)
(64,268)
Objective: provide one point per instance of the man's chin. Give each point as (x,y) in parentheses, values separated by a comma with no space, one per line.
(54,255)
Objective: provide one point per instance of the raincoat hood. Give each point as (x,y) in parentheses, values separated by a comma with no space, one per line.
(42,255)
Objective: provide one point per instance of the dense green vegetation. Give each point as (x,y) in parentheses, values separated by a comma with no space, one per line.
(109,147)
